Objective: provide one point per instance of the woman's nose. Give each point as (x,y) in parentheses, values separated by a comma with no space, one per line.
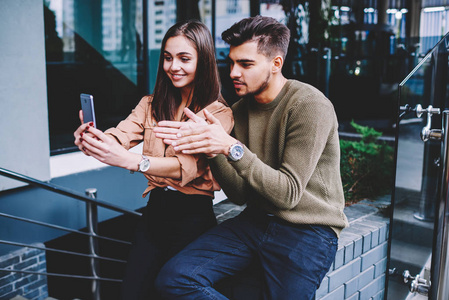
(175,65)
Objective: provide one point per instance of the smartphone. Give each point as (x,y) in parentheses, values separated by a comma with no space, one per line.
(87,105)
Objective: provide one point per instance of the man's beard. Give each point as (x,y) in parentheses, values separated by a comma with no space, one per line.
(260,88)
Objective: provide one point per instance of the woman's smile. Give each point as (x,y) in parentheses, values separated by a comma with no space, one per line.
(180,61)
(177,76)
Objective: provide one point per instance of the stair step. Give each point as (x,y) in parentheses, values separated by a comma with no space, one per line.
(408,256)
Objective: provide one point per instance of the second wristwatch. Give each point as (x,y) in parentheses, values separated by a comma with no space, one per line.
(144,164)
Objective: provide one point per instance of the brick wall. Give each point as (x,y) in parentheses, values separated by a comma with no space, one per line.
(359,268)
(31,286)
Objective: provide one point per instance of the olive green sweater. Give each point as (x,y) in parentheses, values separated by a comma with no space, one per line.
(291,164)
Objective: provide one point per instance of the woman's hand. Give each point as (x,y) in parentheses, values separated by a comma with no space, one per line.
(79,132)
(168,130)
(199,136)
(95,143)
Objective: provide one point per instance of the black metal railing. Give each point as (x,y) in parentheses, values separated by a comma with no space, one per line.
(92,203)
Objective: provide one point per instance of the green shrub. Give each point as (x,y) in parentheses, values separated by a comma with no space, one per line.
(366,166)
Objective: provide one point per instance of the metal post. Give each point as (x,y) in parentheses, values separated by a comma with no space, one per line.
(92,227)
(440,265)
(429,183)
(431,164)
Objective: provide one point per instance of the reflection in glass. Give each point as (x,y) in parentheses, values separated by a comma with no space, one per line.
(93,47)
(161,16)
(273,10)
(228,12)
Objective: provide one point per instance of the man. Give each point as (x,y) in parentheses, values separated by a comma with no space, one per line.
(282,161)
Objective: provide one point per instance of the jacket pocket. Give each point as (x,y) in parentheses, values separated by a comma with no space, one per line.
(152,146)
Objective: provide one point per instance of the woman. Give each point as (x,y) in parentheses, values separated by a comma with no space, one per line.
(182,187)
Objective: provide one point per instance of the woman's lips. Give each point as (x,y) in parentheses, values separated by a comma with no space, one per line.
(177,76)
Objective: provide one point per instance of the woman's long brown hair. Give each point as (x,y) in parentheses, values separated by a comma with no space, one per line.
(166,97)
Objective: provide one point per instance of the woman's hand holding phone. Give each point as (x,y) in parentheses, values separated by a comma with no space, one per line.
(80,132)
(93,142)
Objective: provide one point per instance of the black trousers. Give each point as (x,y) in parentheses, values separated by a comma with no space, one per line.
(170,221)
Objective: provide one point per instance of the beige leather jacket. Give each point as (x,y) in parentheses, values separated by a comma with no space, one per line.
(196,176)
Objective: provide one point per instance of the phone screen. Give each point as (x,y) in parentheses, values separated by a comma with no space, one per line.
(87,105)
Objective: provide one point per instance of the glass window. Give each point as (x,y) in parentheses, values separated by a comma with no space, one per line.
(228,12)
(161,16)
(205,9)
(93,47)
(274,9)
(433,26)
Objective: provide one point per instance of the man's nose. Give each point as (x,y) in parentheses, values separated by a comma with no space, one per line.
(235,72)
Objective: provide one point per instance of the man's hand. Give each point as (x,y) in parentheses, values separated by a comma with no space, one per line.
(168,130)
(197,135)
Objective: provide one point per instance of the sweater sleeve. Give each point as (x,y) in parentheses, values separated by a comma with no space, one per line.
(309,124)
(232,184)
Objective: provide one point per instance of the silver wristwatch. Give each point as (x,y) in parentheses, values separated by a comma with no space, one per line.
(236,151)
(144,165)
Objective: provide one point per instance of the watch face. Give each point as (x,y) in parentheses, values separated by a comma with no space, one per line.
(144,165)
(236,152)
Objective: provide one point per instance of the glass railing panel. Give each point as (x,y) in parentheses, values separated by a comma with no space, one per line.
(417,170)
(411,238)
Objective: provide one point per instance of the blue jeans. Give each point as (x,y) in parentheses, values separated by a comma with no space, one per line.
(294,258)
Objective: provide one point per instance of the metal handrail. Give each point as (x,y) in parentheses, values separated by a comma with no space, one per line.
(62,228)
(64,191)
(61,251)
(61,275)
(92,203)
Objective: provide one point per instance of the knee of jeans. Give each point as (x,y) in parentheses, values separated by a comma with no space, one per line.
(178,278)
(165,280)
(171,279)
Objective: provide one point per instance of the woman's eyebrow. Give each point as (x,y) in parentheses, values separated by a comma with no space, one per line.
(184,53)
(179,53)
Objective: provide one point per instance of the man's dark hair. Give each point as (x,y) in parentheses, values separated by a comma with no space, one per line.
(272,36)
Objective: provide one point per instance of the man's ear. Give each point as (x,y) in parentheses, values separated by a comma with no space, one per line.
(278,62)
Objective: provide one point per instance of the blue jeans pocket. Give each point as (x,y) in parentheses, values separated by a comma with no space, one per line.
(326,233)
